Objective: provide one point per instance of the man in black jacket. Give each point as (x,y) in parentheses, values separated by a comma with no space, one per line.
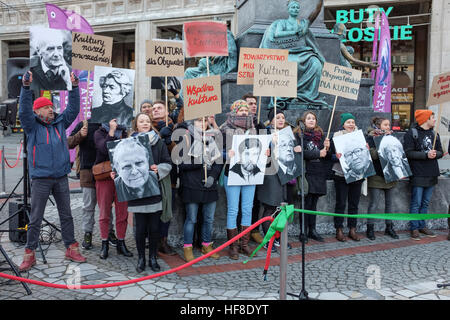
(418,146)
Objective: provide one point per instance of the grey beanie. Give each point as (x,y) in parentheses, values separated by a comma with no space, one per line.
(146,101)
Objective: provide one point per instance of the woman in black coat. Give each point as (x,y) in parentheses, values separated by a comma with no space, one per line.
(316,153)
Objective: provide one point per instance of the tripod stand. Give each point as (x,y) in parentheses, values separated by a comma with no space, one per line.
(303,295)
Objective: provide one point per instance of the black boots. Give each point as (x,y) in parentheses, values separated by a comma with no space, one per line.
(370,232)
(122,249)
(141,263)
(153,263)
(390,231)
(312,233)
(105,249)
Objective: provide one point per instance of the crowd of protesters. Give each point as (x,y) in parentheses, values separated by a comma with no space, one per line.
(197,181)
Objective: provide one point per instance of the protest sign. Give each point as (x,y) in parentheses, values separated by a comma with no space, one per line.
(341,82)
(89,50)
(247,58)
(439,94)
(164,58)
(205,39)
(275,79)
(202,97)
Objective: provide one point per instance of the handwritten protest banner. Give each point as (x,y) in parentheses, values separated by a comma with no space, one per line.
(202,97)
(439,94)
(275,78)
(89,50)
(341,82)
(247,58)
(205,38)
(164,58)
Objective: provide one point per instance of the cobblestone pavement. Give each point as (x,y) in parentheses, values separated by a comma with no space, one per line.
(383,269)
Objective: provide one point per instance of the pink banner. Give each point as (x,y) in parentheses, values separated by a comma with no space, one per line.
(382,93)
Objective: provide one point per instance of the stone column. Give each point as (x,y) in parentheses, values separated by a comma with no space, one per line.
(142,82)
(439,59)
(4,55)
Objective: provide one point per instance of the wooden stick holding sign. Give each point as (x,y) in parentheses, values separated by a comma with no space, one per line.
(439,94)
(167,103)
(87,94)
(332,116)
(341,82)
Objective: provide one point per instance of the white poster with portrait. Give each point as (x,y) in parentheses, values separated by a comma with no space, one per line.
(248,165)
(131,159)
(289,162)
(50,58)
(354,156)
(113,95)
(392,158)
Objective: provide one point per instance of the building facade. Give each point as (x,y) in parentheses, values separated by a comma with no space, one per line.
(415,60)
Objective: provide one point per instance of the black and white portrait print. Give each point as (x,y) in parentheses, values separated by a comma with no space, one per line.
(50,58)
(289,161)
(392,157)
(355,157)
(248,165)
(131,159)
(113,95)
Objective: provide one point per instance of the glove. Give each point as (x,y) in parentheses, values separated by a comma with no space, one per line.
(165,132)
(209,182)
(26,79)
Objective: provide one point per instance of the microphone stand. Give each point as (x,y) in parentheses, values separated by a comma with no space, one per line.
(303,295)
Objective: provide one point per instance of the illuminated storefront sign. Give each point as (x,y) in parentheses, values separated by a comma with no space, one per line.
(367,34)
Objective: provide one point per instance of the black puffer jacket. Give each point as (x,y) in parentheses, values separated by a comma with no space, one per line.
(425,171)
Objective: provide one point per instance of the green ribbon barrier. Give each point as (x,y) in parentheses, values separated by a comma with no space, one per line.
(278,224)
(286,213)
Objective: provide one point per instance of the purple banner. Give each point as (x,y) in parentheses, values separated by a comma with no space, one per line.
(382,93)
(59,18)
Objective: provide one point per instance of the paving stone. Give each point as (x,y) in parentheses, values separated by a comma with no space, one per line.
(332,296)
(135,293)
(406,293)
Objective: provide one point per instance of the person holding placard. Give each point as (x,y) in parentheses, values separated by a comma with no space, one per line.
(239,122)
(418,146)
(272,192)
(345,192)
(377,185)
(165,129)
(316,153)
(198,193)
(148,210)
(106,190)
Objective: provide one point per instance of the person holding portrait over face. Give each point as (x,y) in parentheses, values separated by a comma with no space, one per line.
(247,168)
(115,86)
(133,179)
(391,150)
(357,158)
(50,70)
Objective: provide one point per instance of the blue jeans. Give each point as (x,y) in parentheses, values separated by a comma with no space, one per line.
(233,195)
(191,219)
(420,198)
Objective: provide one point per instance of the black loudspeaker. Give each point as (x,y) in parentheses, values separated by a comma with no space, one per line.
(15,69)
(20,220)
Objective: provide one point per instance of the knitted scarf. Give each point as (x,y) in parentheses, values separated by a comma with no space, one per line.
(314,136)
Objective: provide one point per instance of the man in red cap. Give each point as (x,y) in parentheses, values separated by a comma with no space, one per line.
(422,157)
(49,165)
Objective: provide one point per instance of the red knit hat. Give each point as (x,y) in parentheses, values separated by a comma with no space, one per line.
(422,116)
(41,102)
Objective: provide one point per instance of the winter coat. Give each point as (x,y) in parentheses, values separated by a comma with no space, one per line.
(425,171)
(192,174)
(48,153)
(316,167)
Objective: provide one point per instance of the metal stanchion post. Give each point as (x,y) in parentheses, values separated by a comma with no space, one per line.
(3,171)
(283,260)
